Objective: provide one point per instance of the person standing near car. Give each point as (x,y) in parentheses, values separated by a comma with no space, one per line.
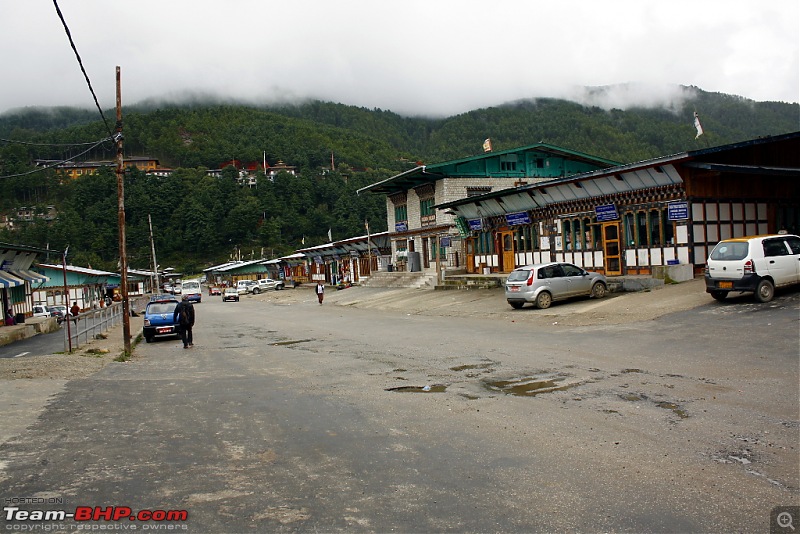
(74,311)
(320,291)
(184,318)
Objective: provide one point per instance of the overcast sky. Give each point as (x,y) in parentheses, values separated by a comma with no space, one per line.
(414,57)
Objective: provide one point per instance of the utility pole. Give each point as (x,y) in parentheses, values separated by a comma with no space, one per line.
(123,257)
(153,250)
(66,295)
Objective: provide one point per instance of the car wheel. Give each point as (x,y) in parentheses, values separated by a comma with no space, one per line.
(598,290)
(256,291)
(544,300)
(765,291)
(148,339)
(516,305)
(719,295)
(278,288)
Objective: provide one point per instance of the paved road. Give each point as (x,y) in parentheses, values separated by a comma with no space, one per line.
(290,416)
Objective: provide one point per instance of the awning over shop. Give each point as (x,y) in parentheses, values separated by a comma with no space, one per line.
(30,276)
(9,280)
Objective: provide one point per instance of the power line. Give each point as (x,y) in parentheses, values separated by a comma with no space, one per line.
(80,62)
(57,163)
(28,143)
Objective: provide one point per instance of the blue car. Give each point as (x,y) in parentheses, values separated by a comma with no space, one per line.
(159,318)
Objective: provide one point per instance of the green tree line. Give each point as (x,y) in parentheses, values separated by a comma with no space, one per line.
(199,219)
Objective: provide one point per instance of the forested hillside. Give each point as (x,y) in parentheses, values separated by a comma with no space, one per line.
(200,220)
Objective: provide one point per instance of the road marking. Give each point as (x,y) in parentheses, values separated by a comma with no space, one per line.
(20,354)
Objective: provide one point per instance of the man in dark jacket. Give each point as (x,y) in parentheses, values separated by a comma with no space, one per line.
(184,317)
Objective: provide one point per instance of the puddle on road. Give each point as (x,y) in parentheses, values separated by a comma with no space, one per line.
(290,342)
(677,410)
(433,388)
(471,367)
(529,386)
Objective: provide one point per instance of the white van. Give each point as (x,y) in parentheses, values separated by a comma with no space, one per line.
(191,288)
(756,264)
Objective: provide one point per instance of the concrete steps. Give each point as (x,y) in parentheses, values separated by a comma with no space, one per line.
(385,279)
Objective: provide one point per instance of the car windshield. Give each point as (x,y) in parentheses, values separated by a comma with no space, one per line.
(157,308)
(520,275)
(730,251)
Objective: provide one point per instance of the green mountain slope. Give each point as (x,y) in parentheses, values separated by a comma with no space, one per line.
(200,220)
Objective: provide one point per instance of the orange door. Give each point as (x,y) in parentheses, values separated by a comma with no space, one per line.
(611,249)
(507,242)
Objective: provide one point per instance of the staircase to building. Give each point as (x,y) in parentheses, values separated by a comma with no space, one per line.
(423,280)
(416,280)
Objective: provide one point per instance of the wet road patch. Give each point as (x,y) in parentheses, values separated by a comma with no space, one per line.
(290,342)
(667,405)
(433,388)
(529,386)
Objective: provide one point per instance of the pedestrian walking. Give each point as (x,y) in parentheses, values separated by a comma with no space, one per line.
(320,291)
(184,317)
(74,311)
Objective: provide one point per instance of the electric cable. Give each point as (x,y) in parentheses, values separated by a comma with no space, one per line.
(80,62)
(29,143)
(57,163)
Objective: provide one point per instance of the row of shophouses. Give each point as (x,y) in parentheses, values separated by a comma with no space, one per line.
(498,210)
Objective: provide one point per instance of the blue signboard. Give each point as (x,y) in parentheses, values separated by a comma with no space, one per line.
(678,211)
(400,227)
(515,219)
(475,224)
(606,212)
(444,242)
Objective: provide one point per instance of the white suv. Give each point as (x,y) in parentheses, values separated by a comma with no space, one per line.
(756,264)
(267,283)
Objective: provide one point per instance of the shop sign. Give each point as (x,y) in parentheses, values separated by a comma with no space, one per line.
(516,219)
(444,242)
(678,211)
(475,224)
(400,227)
(606,212)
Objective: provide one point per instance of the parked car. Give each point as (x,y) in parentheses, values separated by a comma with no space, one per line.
(59,312)
(159,319)
(40,310)
(168,288)
(756,264)
(266,284)
(245,286)
(231,293)
(544,283)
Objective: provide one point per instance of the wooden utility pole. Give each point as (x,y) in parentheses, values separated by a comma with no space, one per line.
(123,257)
(153,250)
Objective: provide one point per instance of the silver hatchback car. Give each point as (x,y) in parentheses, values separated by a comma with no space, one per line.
(543,283)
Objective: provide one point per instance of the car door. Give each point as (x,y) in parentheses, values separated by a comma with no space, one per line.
(779,261)
(555,282)
(576,282)
(794,248)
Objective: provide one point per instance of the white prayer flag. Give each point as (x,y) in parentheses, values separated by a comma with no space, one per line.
(487,145)
(697,125)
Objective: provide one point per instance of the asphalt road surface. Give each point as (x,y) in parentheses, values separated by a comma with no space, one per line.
(291,416)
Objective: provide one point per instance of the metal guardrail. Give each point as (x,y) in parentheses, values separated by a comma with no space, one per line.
(87,325)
